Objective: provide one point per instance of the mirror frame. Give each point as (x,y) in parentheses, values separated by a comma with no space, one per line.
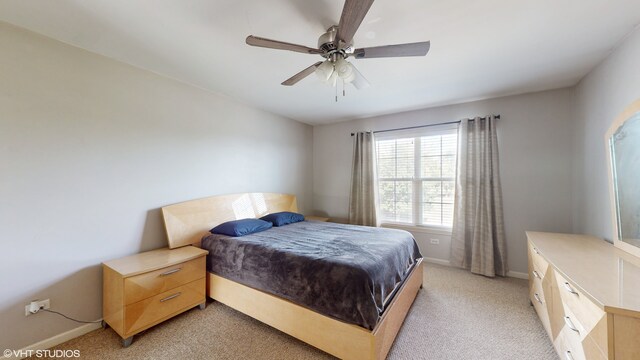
(630,111)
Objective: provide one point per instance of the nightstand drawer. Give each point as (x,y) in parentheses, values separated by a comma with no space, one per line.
(149,312)
(144,286)
(142,290)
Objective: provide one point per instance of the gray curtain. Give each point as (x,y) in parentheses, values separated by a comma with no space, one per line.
(478,240)
(362,201)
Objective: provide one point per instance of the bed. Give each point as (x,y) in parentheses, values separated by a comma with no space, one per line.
(367,335)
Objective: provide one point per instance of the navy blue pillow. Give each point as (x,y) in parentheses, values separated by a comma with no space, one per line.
(241,227)
(283,218)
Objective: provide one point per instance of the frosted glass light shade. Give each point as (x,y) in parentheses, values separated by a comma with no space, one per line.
(325,70)
(344,70)
(333,79)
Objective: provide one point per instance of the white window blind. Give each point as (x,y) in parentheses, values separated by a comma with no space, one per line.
(416,175)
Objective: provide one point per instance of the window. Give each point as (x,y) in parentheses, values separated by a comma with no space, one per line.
(416,175)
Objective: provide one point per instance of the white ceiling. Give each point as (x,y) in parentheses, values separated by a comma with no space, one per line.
(479,49)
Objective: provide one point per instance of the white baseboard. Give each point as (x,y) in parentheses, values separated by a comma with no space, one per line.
(437,261)
(513,274)
(55,340)
(518,275)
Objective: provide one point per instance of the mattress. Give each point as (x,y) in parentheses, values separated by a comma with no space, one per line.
(347,272)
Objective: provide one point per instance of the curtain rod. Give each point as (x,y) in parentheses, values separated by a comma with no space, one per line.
(421,126)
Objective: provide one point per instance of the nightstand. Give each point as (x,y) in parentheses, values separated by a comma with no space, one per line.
(145,289)
(316,218)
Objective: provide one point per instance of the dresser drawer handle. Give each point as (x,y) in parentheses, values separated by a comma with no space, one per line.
(568,355)
(536,251)
(170,272)
(171,297)
(570,289)
(537,298)
(567,320)
(535,273)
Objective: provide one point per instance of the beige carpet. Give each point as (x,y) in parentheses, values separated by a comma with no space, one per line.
(456,316)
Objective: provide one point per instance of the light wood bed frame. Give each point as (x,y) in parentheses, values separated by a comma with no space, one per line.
(187,222)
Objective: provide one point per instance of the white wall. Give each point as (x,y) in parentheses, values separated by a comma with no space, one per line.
(600,97)
(90,149)
(534,137)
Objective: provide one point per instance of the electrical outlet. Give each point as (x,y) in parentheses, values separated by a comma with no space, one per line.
(435,241)
(35,306)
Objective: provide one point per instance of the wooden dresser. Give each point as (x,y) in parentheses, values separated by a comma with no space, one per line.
(587,295)
(142,290)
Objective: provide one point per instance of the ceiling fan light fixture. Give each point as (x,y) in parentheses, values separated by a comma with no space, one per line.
(333,79)
(344,70)
(336,44)
(325,71)
(350,79)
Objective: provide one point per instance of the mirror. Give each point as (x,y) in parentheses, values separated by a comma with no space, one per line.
(623,140)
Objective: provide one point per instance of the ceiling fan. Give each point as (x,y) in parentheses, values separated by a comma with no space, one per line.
(336,45)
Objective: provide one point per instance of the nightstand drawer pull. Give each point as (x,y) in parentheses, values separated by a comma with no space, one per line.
(537,298)
(171,297)
(535,273)
(570,289)
(170,272)
(536,251)
(568,355)
(567,320)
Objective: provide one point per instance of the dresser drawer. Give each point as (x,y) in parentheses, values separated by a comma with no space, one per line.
(536,275)
(586,317)
(583,309)
(581,345)
(148,312)
(592,350)
(537,298)
(569,346)
(146,285)
(540,265)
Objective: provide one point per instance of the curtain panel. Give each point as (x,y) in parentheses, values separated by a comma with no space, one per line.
(362,199)
(478,239)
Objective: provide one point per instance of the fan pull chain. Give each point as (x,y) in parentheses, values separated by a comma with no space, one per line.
(344,87)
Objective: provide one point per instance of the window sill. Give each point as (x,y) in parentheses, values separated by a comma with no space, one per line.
(437,230)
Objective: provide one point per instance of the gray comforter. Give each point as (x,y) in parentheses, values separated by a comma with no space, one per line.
(344,271)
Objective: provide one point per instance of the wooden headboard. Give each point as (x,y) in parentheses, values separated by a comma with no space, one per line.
(188,221)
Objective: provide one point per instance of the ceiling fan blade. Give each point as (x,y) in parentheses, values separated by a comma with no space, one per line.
(353,13)
(359,81)
(412,49)
(280,45)
(301,75)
